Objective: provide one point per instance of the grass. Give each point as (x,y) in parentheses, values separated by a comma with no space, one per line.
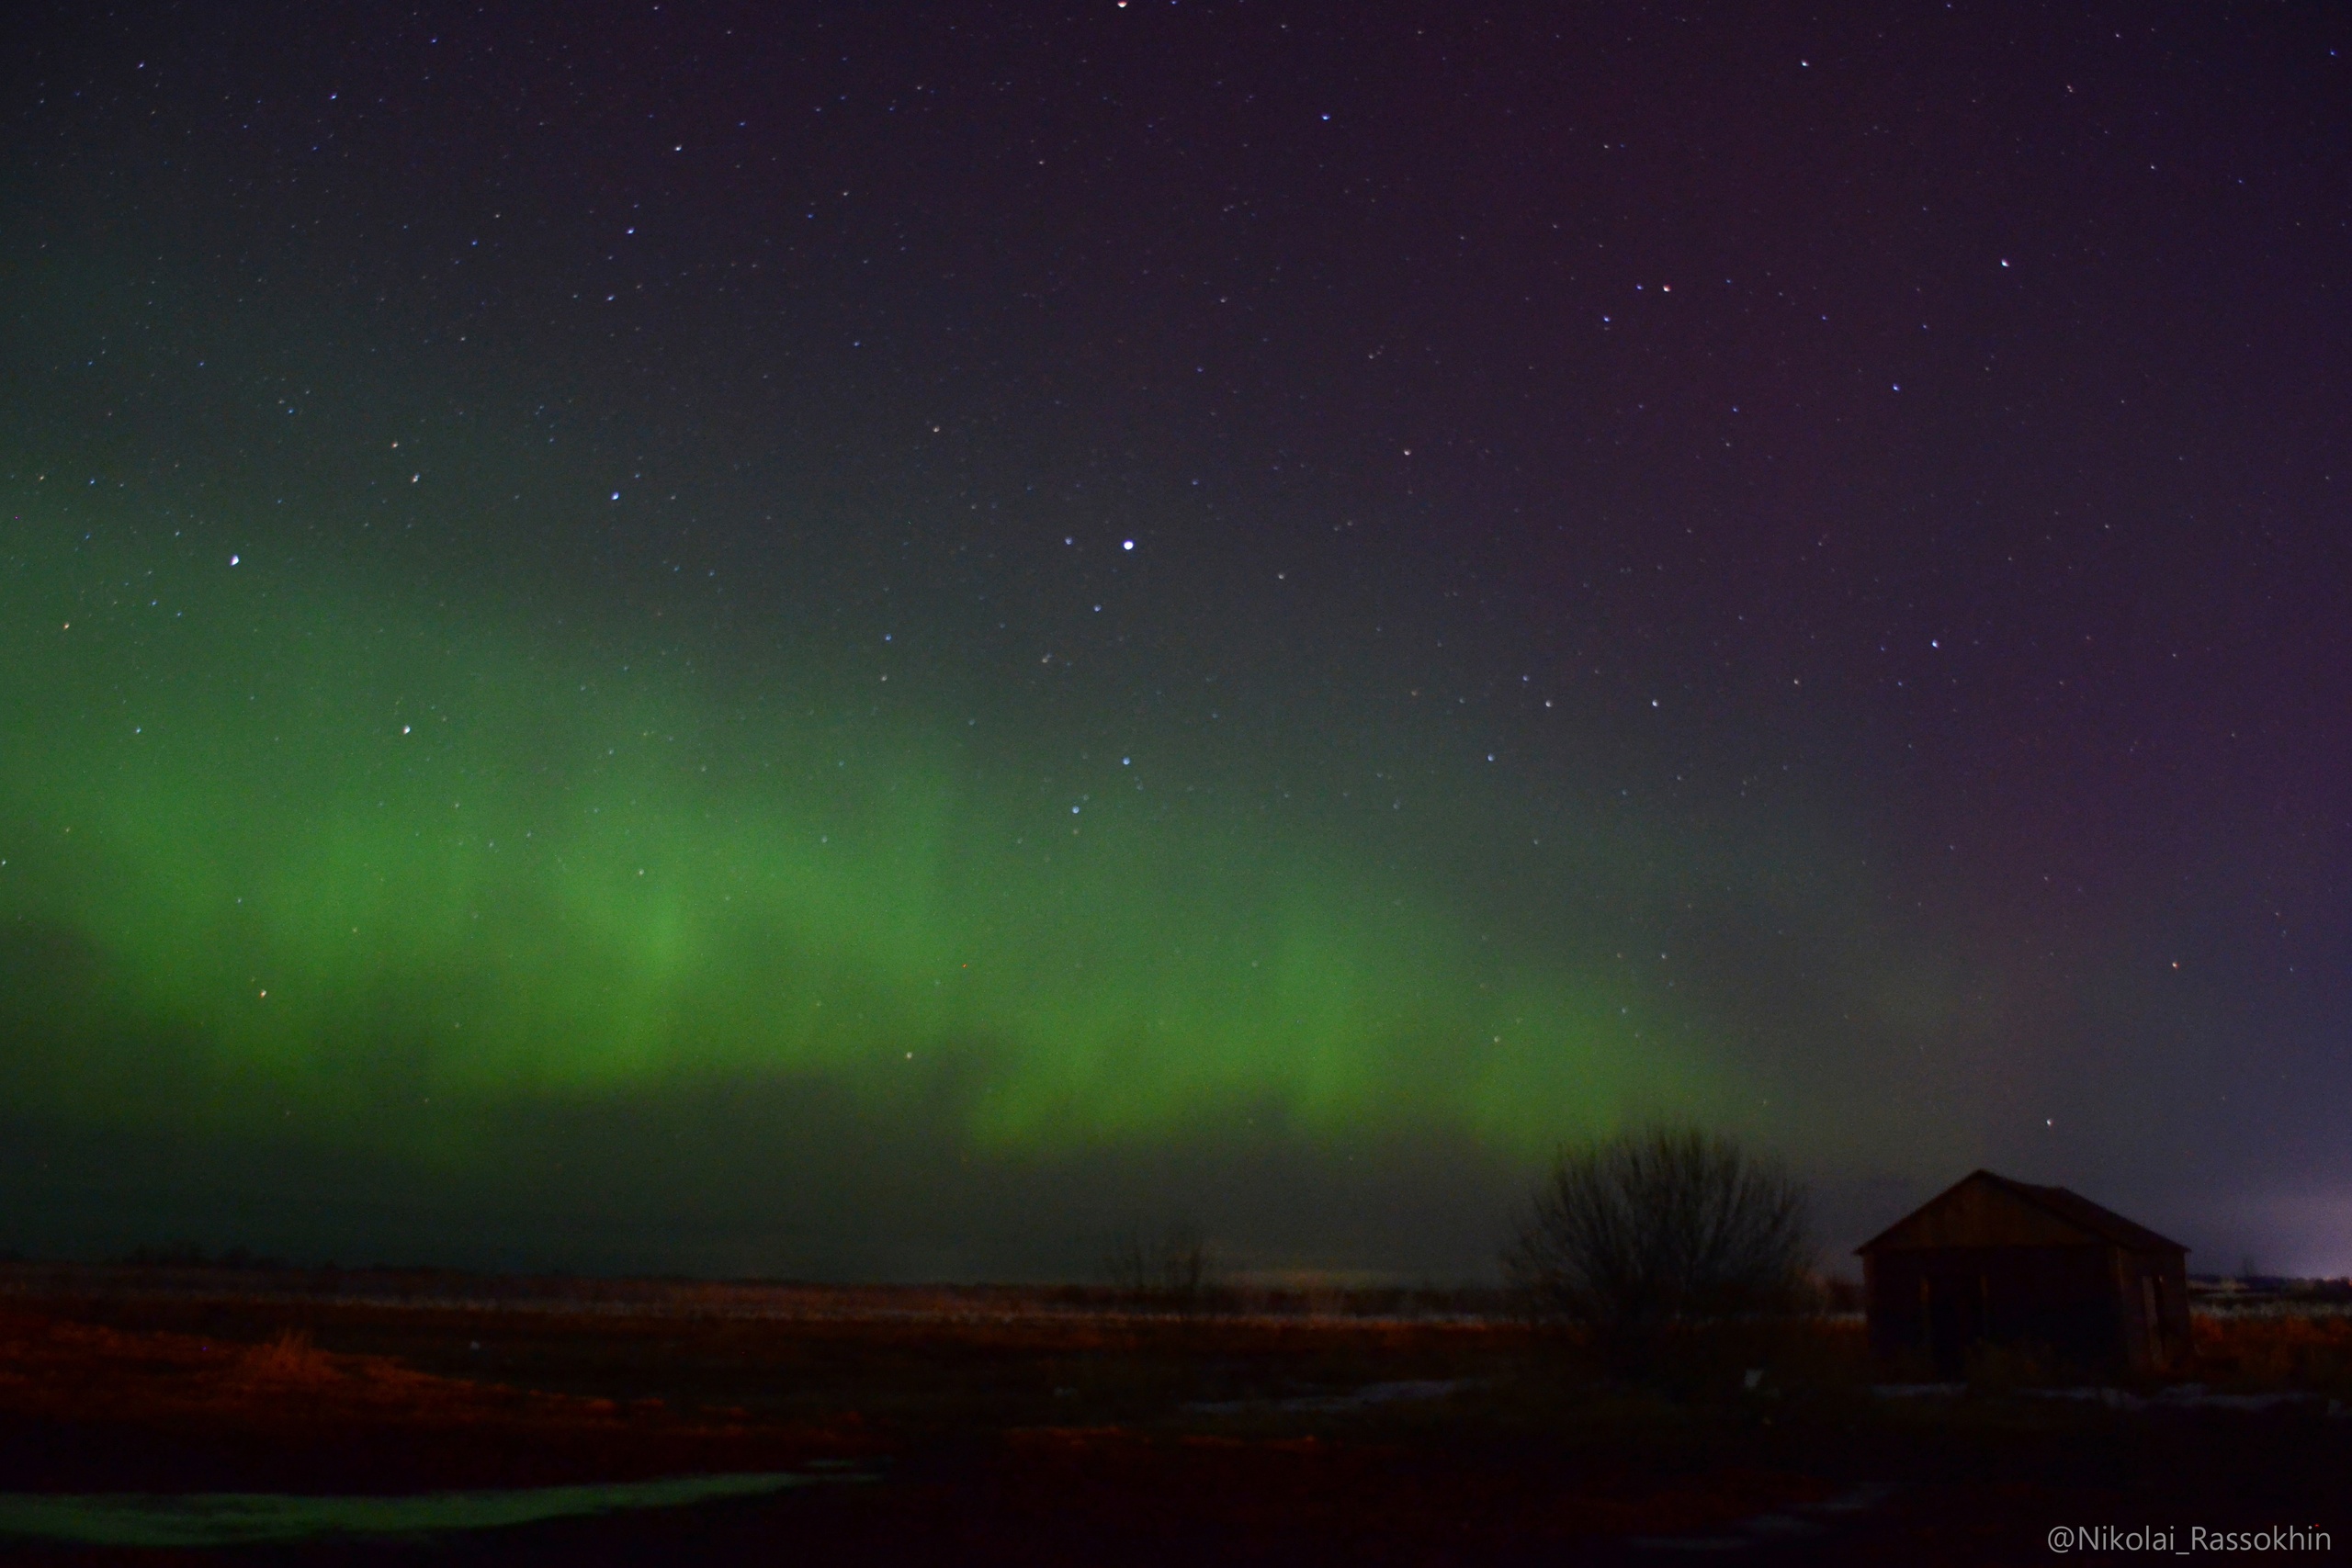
(1004,1420)
(2283,1350)
(289,1359)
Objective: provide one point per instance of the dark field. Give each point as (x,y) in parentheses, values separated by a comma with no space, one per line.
(1039,1427)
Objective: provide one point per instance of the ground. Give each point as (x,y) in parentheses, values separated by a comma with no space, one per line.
(1042,1426)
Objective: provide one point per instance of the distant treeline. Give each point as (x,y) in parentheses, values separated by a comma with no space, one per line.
(1285,1301)
(762,1297)
(2218,1292)
(189,1255)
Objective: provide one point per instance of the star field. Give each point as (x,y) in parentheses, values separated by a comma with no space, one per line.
(882,642)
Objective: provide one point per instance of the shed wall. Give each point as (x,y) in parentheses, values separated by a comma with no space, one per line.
(1940,1303)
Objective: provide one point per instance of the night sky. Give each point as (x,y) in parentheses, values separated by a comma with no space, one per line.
(883,641)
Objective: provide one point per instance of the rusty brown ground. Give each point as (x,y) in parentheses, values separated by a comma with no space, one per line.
(1005,1432)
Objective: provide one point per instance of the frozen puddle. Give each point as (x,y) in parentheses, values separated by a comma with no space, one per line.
(239,1518)
(1364,1398)
(2180,1397)
(1801,1522)
(2187,1396)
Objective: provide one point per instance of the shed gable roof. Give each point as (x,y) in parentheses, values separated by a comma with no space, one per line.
(1986,1210)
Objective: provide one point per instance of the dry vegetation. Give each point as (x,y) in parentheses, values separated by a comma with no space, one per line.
(1054,1425)
(2277,1350)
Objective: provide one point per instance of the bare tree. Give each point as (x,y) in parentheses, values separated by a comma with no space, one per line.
(1178,1268)
(1663,1226)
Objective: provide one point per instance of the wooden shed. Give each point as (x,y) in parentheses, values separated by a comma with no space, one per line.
(1995,1261)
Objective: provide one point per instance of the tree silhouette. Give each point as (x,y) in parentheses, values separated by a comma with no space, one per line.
(1177,1269)
(1636,1234)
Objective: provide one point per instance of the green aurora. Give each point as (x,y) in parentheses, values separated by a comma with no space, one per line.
(685,771)
(282,851)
